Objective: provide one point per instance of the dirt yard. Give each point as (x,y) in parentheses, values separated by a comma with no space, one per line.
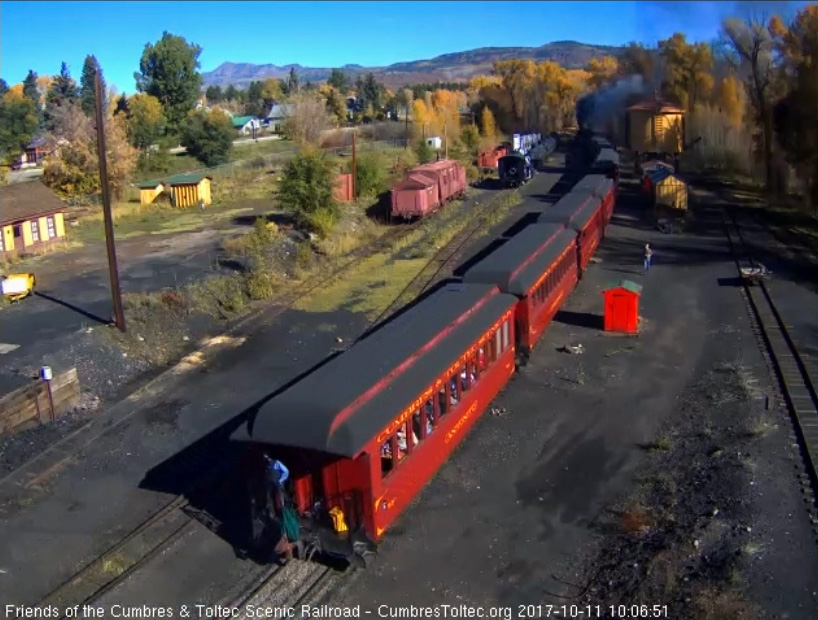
(644,471)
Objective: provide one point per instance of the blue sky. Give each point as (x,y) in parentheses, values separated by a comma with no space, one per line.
(328,34)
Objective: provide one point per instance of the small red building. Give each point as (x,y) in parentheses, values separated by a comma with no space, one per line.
(622,307)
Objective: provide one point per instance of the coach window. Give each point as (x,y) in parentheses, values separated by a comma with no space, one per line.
(476,369)
(505,335)
(454,389)
(488,346)
(417,424)
(465,380)
(387,462)
(498,339)
(430,419)
(443,400)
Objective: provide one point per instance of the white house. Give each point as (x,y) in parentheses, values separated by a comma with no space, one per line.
(435,142)
(275,117)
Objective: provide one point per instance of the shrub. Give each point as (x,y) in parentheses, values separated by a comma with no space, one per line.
(259,285)
(208,136)
(369,176)
(424,152)
(322,222)
(307,184)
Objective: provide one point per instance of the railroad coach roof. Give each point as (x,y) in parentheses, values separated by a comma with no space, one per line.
(607,156)
(598,184)
(575,220)
(517,264)
(569,206)
(344,404)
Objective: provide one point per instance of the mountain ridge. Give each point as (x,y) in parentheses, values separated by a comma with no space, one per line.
(450,67)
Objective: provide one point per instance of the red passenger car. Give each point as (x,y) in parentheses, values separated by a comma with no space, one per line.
(602,187)
(539,266)
(363,434)
(416,195)
(583,213)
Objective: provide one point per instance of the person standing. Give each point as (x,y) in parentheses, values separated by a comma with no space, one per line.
(648,257)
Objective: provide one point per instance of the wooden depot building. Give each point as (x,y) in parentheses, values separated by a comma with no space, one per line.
(31,218)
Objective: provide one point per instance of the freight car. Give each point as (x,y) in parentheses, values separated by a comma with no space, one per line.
(514,170)
(489,159)
(363,434)
(427,188)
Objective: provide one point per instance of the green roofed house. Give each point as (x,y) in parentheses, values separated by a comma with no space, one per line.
(184,190)
(245,124)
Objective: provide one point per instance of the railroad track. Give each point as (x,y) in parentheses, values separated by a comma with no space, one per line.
(443,259)
(173,521)
(795,379)
(159,532)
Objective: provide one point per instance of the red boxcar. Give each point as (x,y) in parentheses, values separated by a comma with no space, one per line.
(489,159)
(416,195)
(539,266)
(601,186)
(450,176)
(583,213)
(364,433)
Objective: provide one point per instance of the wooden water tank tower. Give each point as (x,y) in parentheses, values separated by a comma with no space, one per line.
(655,126)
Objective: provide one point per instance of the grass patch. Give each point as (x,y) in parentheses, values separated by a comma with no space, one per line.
(16,263)
(369,288)
(114,566)
(246,152)
(134,220)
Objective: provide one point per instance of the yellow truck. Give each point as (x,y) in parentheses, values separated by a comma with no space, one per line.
(17,286)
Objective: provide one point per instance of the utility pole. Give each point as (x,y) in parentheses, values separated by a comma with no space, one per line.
(116,292)
(406,139)
(354,165)
(446,141)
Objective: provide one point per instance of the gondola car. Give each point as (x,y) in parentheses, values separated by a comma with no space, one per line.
(362,434)
(539,267)
(514,170)
(583,213)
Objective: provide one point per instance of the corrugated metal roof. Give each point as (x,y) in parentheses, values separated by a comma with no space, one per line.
(517,264)
(660,174)
(344,404)
(633,287)
(22,201)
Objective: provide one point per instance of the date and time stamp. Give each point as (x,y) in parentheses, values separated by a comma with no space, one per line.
(387,612)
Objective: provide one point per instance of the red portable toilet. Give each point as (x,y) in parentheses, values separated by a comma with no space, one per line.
(622,307)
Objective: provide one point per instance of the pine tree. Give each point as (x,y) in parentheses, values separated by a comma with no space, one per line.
(87,86)
(63,91)
(30,88)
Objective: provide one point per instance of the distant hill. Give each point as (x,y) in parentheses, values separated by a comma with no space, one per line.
(445,68)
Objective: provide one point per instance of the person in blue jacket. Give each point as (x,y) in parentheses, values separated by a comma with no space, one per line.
(277,475)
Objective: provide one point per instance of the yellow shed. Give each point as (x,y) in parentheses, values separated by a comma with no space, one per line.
(184,190)
(189,189)
(31,218)
(655,126)
(668,189)
(149,190)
